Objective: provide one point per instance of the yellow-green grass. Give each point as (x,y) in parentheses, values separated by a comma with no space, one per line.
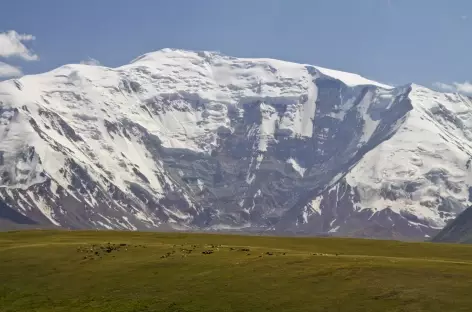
(123,271)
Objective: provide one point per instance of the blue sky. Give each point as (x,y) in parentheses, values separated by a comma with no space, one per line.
(392,41)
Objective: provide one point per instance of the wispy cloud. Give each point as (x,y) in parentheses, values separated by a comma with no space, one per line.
(90,61)
(459,87)
(465,87)
(444,87)
(12,45)
(464,17)
(8,71)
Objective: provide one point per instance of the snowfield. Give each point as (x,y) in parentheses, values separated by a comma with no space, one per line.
(198,140)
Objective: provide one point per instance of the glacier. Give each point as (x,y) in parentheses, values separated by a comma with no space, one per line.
(184,140)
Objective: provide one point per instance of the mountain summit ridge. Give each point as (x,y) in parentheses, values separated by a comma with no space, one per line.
(198,140)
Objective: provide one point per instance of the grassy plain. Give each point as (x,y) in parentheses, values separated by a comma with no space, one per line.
(123,271)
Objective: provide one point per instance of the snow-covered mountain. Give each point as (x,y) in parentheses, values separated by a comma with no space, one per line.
(198,140)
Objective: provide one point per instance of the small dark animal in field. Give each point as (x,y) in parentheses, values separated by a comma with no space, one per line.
(167,255)
(207,252)
(269,253)
(244,249)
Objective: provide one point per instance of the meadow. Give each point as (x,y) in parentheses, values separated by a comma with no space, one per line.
(128,271)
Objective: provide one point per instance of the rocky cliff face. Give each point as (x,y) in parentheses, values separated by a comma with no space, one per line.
(458,230)
(197,140)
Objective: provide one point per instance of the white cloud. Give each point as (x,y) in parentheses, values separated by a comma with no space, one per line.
(9,71)
(90,61)
(464,87)
(444,87)
(11,45)
(464,17)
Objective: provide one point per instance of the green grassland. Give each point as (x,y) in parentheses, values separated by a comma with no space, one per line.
(123,271)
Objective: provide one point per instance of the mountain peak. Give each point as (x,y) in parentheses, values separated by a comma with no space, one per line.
(199,140)
(213,57)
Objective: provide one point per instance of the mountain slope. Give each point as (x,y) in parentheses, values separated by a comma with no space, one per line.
(457,231)
(197,140)
(420,177)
